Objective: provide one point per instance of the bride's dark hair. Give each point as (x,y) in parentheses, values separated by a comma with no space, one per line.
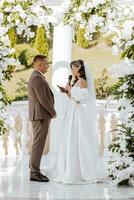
(78,63)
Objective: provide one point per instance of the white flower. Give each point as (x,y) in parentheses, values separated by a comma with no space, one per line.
(115,40)
(1,18)
(126,11)
(3,31)
(89,5)
(17,8)
(78,17)
(93,23)
(32,34)
(1,74)
(10,1)
(29,21)
(5,40)
(21,27)
(58,15)
(131,124)
(129,43)
(65,6)
(84,8)
(123,87)
(111,14)
(127,29)
(1,95)
(128,24)
(1,3)
(115,50)
(8,9)
(121,69)
(23,15)
(97,2)
(17,22)
(123,174)
(82,24)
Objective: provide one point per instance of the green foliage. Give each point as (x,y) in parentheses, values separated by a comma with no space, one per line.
(78,2)
(5,101)
(12,37)
(8,10)
(25,54)
(41,43)
(15,16)
(101,84)
(127,93)
(22,87)
(129,53)
(3,129)
(100,10)
(5,98)
(8,72)
(20,98)
(81,41)
(21,92)
(108,40)
(22,58)
(128,132)
(124,134)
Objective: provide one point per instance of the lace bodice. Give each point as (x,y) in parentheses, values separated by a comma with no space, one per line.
(79,94)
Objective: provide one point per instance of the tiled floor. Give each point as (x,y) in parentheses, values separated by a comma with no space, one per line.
(15,185)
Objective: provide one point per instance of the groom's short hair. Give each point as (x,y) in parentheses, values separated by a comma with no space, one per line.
(38,58)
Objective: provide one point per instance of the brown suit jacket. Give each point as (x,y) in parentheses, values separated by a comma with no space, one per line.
(41,99)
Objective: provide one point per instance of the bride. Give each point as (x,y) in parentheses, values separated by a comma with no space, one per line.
(77,157)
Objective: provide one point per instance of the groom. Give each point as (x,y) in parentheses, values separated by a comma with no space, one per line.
(41,110)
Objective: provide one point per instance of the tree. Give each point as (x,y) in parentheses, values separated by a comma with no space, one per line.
(81,41)
(41,43)
(12,37)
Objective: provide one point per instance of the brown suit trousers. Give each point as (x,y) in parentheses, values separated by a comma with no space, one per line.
(40,131)
(41,110)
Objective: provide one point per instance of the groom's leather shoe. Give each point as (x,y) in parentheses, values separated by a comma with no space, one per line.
(43,176)
(39,179)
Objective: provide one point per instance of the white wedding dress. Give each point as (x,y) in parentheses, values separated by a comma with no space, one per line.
(75,156)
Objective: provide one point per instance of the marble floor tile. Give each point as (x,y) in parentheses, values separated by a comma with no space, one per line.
(15,185)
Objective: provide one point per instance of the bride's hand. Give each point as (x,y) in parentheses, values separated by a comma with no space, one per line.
(68,87)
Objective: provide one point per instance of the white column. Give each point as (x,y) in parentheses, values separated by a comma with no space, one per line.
(62,53)
(62,43)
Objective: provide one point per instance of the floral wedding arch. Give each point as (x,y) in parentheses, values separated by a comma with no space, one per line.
(102,16)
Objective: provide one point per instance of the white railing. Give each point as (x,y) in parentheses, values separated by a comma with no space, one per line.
(19,138)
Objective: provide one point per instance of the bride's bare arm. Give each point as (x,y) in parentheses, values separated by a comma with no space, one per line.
(82,83)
